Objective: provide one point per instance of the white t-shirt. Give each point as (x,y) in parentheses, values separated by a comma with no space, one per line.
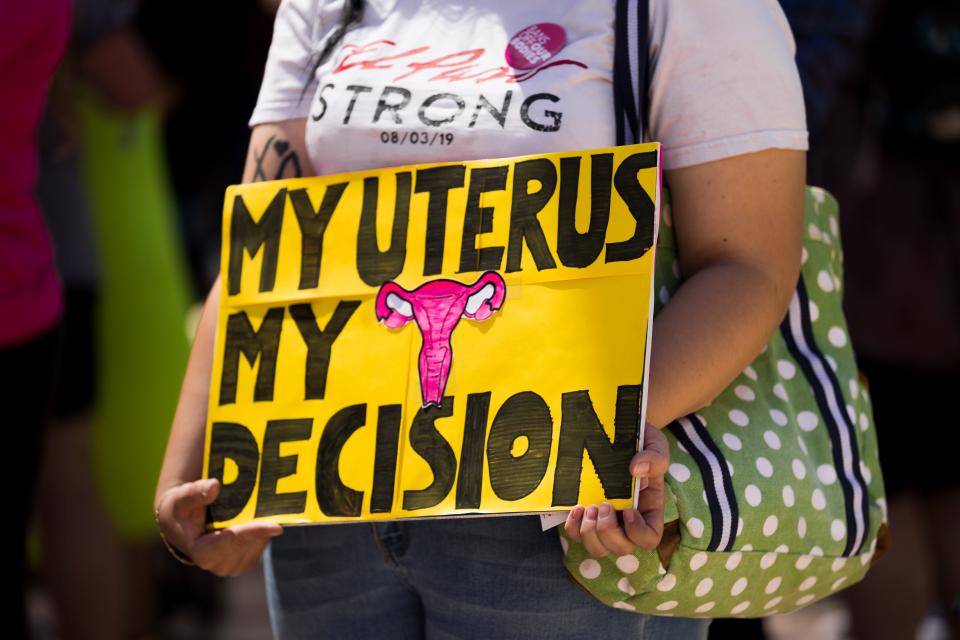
(433,80)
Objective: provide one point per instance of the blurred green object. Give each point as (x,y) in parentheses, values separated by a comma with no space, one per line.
(144,298)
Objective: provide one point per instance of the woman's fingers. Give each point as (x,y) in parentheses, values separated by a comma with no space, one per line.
(182,511)
(233,550)
(238,563)
(654,460)
(574,520)
(192,497)
(642,530)
(589,535)
(598,528)
(644,525)
(611,535)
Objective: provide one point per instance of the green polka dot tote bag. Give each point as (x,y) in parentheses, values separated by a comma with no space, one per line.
(774,495)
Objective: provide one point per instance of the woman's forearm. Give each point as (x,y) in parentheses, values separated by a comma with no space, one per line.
(713,327)
(738,223)
(183,460)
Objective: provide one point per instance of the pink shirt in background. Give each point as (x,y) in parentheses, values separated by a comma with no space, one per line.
(33,37)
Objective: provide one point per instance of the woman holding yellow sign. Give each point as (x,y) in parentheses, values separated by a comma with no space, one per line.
(355,86)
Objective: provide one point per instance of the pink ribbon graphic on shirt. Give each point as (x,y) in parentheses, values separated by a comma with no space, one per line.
(437,307)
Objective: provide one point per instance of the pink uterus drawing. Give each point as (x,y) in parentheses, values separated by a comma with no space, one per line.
(437,306)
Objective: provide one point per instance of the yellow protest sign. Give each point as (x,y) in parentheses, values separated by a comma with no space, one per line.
(434,340)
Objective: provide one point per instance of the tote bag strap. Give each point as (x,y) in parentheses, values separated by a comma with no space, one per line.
(631,93)
(630,68)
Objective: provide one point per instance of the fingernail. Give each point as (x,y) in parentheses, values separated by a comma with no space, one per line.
(628,516)
(604,510)
(577,511)
(591,513)
(641,469)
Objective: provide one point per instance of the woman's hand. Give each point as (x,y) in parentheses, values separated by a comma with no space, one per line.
(181,515)
(598,528)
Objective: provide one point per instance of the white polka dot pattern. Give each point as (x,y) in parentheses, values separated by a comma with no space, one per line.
(679,472)
(788,496)
(799,469)
(734,560)
(739,586)
(773,585)
(732,441)
(838,530)
(740,608)
(807,420)
(770,525)
(765,467)
(628,564)
(744,392)
(703,587)
(786,369)
(668,582)
(695,526)
(818,500)
(768,560)
(772,440)
(590,568)
(827,474)
(825,281)
(837,337)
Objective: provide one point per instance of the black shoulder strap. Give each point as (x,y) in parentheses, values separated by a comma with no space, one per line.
(630,70)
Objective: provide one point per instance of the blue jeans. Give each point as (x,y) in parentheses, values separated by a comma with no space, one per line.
(485,578)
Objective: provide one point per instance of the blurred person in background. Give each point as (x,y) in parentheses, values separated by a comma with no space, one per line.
(109,61)
(77,538)
(890,151)
(33,37)
(215,63)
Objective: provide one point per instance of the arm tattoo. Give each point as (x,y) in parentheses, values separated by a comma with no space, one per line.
(286,159)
